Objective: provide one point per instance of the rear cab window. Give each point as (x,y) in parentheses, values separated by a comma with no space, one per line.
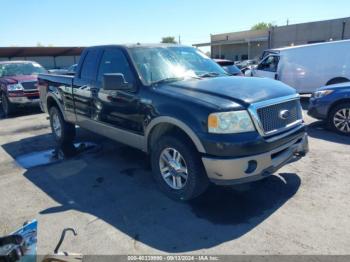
(114,61)
(89,66)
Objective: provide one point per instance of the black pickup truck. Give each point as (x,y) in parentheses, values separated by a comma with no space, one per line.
(198,124)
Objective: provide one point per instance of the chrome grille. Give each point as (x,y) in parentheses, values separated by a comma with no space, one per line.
(29,85)
(270,116)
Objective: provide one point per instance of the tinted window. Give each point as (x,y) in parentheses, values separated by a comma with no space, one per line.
(88,71)
(114,61)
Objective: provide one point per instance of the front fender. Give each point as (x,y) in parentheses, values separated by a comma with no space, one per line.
(178,123)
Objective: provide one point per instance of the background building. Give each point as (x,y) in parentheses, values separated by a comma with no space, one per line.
(48,57)
(250,44)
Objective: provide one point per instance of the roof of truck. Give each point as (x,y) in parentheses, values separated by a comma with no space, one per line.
(139,45)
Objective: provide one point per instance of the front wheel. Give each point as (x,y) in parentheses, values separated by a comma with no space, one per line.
(177,168)
(63,132)
(7,106)
(339,119)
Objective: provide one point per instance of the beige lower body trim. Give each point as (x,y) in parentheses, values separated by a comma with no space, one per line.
(236,169)
(119,135)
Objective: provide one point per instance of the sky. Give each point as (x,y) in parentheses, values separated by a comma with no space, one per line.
(85,23)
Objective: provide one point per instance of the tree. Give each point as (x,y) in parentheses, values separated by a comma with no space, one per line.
(168,40)
(261,26)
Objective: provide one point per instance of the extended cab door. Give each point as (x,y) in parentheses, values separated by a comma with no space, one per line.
(84,85)
(267,67)
(117,108)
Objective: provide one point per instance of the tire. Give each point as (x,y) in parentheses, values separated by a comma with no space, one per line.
(63,132)
(339,119)
(196,181)
(7,107)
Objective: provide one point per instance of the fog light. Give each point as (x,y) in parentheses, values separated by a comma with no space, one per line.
(252,165)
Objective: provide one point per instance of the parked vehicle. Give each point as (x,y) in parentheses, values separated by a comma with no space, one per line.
(247,65)
(176,104)
(18,84)
(307,67)
(72,69)
(332,103)
(229,66)
(66,71)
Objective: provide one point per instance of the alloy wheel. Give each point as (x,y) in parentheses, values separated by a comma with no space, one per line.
(341,120)
(173,168)
(56,125)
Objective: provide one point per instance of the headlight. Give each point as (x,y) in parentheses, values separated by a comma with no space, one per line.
(322,93)
(15,87)
(230,122)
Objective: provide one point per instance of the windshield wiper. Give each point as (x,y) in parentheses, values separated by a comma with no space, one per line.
(167,80)
(209,74)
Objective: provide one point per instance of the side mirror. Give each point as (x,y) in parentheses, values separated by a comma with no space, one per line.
(115,81)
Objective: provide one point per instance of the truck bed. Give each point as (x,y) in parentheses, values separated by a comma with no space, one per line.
(60,79)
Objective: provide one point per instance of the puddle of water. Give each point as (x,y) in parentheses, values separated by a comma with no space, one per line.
(54,155)
(37,159)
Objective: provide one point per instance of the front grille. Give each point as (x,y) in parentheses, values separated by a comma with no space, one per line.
(29,85)
(270,116)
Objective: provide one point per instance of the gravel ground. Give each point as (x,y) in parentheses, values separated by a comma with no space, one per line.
(107,194)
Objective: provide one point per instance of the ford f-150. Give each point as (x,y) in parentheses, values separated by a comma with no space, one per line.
(198,124)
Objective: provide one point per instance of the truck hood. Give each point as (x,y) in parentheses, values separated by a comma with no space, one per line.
(19,78)
(242,90)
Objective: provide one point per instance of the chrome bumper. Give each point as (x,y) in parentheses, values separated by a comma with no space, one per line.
(23,100)
(252,168)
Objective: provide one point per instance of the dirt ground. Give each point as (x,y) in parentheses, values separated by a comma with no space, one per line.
(107,194)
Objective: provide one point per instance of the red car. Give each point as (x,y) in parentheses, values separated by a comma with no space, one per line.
(18,84)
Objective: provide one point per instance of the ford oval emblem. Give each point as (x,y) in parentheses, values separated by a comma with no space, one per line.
(284,114)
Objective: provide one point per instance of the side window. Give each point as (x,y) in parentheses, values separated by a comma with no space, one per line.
(114,61)
(270,64)
(88,71)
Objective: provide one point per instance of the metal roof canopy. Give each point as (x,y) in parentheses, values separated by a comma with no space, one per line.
(10,52)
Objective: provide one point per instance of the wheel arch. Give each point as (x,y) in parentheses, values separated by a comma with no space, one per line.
(162,125)
(51,100)
(338,102)
(337,80)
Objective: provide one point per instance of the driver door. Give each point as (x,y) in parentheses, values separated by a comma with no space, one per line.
(117,108)
(267,67)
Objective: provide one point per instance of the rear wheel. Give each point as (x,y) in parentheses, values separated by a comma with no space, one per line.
(177,168)
(339,119)
(7,107)
(63,132)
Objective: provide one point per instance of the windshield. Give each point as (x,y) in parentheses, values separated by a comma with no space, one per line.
(15,69)
(173,63)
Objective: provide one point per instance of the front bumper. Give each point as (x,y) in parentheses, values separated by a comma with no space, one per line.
(318,108)
(23,100)
(224,171)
